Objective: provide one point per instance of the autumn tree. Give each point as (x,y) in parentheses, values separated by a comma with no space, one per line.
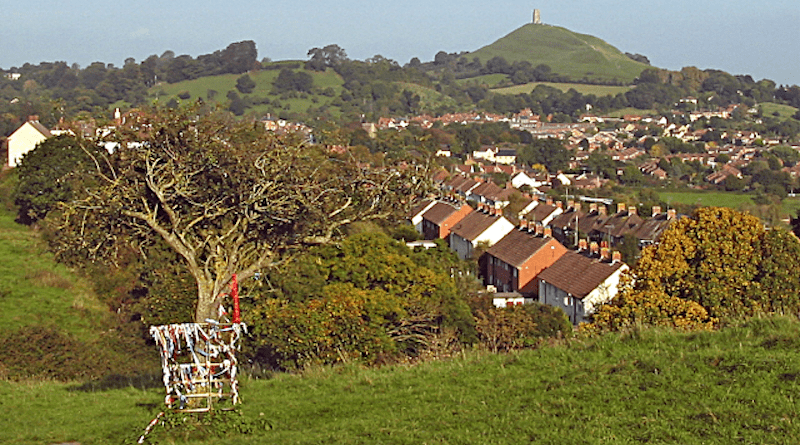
(228,197)
(718,265)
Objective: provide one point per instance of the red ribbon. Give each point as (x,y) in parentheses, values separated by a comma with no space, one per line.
(235,294)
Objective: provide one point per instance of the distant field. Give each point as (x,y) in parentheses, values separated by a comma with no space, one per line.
(719,199)
(486,79)
(429,97)
(215,88)
(597,90)
(784,111)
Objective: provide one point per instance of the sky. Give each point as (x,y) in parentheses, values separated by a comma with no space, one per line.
(756,37)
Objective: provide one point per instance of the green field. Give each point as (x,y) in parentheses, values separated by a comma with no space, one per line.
(705,199)
(738,385)
(585,89)
(783,111)
(215,88)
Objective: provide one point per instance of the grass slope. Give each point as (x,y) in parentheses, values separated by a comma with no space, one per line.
(597,90)
(738,385)
(578,56)
(200,88)
(34,289)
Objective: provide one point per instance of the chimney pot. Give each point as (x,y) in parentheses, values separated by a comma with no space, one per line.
(620,207)
(616,257)
(631,210)
(601,209)
(593,207)
(656,211)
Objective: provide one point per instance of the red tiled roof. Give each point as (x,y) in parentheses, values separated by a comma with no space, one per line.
(578,275)
(517,247)
(473,225)
(439,213)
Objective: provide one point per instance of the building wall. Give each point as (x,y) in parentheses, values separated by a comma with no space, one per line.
(543,259)
(578,310)
(501,275)
(462,247)
(22,141)
(452,220)
(572,306)
(603,293)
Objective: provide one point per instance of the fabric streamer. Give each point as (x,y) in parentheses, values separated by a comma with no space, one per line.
(198,358)
(237,316)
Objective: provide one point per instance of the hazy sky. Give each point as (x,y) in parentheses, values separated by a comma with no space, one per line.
(760,38)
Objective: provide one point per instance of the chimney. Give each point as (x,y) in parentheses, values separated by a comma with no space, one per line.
(631,210)
(571,203)
(491,211)
(620,207)
(656,211)
(582,245)
(33,117)
(616,257)
(523,224)
(594,249)
(498,212)
(549,201)
(560,205)
(548,232)
(577,207)
(601,209)
(539,229)
(605,254)
(593,207)
(671,214)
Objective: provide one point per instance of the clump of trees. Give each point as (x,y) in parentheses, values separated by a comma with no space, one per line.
(226,197)
(715,267)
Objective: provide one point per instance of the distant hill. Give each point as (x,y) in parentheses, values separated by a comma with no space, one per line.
(580,57)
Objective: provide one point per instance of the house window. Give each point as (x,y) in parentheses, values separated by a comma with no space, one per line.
(567,301)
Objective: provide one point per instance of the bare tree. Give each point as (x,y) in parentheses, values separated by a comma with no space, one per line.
(227,197)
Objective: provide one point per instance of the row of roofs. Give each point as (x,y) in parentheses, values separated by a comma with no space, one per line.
(529,261)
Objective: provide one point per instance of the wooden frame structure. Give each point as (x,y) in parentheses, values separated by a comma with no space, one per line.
(199,364)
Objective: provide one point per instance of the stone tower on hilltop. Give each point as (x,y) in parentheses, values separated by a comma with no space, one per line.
(537,17)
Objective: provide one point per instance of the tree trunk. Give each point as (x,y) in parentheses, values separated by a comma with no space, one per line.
(207,303)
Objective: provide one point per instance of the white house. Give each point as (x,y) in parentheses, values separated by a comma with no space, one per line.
(478,227)
(579,284)
(24,140)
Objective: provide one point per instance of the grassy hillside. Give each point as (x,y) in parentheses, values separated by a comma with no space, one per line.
(597,90)
(578,56)
(52,323)
(34,289)
(738,385)
(213,89)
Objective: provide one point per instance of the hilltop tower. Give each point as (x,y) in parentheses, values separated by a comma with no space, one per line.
(537,17)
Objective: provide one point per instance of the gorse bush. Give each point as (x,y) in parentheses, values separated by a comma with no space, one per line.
(715,267)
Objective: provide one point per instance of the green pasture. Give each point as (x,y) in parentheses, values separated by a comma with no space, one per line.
(784,112)
(585,89)
(705,199)
(738,385)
